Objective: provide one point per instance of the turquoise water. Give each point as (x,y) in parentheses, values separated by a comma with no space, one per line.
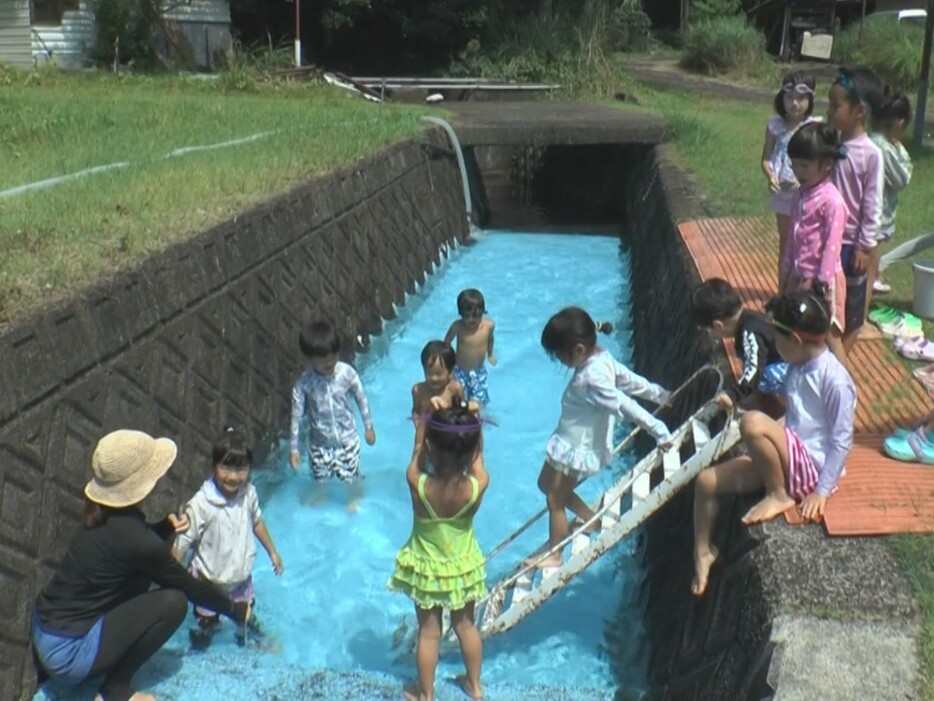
(330,610)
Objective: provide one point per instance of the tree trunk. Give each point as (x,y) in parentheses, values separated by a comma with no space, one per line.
(546,9)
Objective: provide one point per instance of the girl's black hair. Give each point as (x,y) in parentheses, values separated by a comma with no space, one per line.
(894,106)
(438,351)
(94,514)
(319,340)
(800,310)
(567,328)
(714,300)
(862,86)
(471,301)
(816,141)
(231,449)
(455,432)
(788,83)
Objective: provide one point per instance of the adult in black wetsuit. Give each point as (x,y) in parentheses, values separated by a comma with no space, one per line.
(98,615)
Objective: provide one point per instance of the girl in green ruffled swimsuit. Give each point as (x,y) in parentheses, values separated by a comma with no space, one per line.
(441,566)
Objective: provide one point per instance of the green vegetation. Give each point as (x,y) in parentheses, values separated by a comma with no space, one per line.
(726,45)
(53,124)
(549,48)
(916,553)
(891,49)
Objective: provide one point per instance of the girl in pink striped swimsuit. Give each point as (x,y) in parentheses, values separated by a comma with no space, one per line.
(811,260)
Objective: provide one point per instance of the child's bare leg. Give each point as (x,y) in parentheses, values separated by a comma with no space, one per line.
(835,344)
(783,223)
(765,439)
(558,488)
(872,272)
(355,490)
(546,480)
(471,650)
(736,476)
(426,653)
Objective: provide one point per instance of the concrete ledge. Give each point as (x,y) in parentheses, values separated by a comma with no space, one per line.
(843,660)
(547,123)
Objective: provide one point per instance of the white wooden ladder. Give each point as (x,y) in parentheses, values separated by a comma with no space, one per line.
(651,483)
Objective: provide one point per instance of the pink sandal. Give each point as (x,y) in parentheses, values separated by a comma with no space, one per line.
(926,376)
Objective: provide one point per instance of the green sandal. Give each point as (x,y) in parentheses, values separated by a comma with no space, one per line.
(884,315)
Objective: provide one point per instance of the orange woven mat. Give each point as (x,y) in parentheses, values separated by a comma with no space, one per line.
(878,495)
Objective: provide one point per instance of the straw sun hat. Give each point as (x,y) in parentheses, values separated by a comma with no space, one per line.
(126,466)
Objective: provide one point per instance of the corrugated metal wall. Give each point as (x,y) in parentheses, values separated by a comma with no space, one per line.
(70,43)
(201,31)
(15,35)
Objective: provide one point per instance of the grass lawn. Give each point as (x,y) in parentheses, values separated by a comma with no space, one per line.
(721,143)
(53,124)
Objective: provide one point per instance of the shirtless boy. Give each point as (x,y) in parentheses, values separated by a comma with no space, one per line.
(474,335)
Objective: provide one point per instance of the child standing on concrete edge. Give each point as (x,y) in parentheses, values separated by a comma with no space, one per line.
(324,392)
(474,335)
(854,98)
(799,462)
(891,121)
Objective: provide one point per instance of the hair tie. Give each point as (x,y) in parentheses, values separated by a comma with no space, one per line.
(797,87)
(842,151)
(455,428)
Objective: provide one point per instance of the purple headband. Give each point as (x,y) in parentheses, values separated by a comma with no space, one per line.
(455,428)
(798,87)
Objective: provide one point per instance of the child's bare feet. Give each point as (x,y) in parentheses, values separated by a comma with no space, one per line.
(138,696)
(413,692)
(576,524)
(767,509)
(550,561)
(474,691)
(702,564)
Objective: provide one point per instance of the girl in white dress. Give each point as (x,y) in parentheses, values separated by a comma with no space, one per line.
(598,393)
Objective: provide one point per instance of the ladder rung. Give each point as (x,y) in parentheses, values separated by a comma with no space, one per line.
(548,572)
(701,433)
(671,462)
(641,487)
(522,587)
(614,509)
(580,543)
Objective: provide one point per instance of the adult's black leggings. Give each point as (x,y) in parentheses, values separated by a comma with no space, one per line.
(132,633)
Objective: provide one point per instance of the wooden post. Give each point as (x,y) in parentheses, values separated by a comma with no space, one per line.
(924,79)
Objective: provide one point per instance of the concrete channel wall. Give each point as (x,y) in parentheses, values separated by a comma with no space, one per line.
(201,335)
(789,613)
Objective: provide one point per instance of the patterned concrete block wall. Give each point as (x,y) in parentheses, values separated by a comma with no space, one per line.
(201,335)
(706,648)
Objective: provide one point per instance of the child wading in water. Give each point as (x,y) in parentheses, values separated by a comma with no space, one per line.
(441,566)
(800,461)
(324,391)
(854,99)
(223,518)
(439,390)
(793,104)
(474,336)
(597,394)
(818,218)
(891,121)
